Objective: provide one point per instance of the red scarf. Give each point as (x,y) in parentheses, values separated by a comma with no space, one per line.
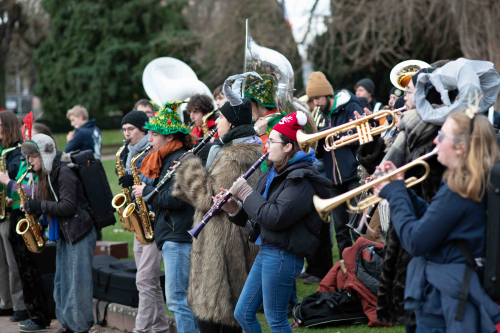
(151,164)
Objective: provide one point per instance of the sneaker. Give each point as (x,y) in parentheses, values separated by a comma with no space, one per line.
(303,276)
(19,315)
(64,330)
(24,322)
(32,327)
(312,280)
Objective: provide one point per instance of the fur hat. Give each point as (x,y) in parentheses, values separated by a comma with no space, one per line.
(41,145)
(318,86)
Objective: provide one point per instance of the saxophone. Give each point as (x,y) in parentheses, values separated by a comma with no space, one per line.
(204,125)
(27,227)
(142,227)
(3,188)
(122,200)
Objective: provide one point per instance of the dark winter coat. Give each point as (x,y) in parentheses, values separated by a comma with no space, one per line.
(340,164)
(87,137)
(425,231)
(12,161)
(173,217)
(287,218)
(71,207)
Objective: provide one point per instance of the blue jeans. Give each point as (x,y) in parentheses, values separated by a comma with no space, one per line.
(73,283)
(177,261)
(421,328)
(270,281)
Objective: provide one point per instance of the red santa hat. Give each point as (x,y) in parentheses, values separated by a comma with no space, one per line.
(289,125)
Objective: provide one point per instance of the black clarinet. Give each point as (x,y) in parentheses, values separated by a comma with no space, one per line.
(218,205)
(166,179)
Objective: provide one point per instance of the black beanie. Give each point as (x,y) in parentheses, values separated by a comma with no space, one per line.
(367,84)
(136,118)
(396,91)
(238,115)
(400,102)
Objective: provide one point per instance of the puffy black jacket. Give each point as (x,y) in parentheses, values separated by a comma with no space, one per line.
(173,217)
(287,218)
(340,164)
(71,207)
(12,161)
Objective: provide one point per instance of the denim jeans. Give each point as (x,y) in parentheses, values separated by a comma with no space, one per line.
(73,283)
(177,261)
(270,282)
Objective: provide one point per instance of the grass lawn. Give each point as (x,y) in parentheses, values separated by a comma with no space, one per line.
(110,140)
(115,233)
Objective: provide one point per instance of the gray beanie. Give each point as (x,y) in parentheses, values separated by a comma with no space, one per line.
(43,146)
(367,84)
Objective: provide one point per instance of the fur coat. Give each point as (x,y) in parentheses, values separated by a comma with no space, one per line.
(414,140)
(221,257)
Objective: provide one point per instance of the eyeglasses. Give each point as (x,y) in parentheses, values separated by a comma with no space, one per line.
(269,142)
(441,137)
(127,130)
(408,91)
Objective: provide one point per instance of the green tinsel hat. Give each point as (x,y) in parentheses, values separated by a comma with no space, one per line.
(260,91)
(167,120)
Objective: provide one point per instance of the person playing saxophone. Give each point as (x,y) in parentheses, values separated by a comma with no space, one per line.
(151,313)
(170,140)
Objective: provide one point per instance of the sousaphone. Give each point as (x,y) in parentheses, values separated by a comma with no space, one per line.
(401,73)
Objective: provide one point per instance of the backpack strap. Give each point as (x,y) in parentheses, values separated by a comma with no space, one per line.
(469,268)
(102,322)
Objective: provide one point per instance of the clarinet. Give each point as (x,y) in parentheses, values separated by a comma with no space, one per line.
(166,179)
(218,205)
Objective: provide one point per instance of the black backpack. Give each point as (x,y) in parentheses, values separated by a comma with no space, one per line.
(329,308)
(96,186)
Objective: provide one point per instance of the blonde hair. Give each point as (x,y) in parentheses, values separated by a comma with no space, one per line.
(470,178)
(76,111)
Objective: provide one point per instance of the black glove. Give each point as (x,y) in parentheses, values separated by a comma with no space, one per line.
(126,181)
(33,207)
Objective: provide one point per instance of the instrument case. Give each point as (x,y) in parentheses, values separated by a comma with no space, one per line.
(114,280)
(96,186)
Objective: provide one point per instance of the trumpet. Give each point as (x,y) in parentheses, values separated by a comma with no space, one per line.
(325,206)
(364,133)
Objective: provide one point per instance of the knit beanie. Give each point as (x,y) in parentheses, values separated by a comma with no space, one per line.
(400,102)
(318,86)
(367,84)
(238,115)
(289,125)
(137,119)
(41,145)
(396,91)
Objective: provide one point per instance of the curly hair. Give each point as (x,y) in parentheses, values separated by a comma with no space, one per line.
(202,103)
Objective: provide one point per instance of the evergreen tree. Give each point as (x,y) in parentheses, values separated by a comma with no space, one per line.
(96,52)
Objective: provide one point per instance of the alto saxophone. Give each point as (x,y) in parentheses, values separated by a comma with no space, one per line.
(3,188)
(143,229)
(122,200)
(204,125)
(27,227)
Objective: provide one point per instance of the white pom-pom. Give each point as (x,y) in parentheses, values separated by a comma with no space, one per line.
(301,118)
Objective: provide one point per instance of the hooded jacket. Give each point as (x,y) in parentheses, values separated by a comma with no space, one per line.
(68,202)
(340,164)
(287,218)
(173,217)
(87,137)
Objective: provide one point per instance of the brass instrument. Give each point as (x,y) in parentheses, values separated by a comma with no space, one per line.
(319,119)
(325,206)
(204,126)
(142,227)
(270,117)
(3,188)
(122,200)
(364,132)
(27,227)
(401,73)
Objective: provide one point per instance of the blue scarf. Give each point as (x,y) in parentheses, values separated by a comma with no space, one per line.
(53,229)
(299,157)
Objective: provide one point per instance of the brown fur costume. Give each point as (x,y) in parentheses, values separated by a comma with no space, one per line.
(221,257)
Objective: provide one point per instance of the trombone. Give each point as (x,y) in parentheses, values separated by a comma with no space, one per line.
(325,206)
(364,133)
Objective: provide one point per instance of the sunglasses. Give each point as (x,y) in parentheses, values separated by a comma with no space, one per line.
(441,137)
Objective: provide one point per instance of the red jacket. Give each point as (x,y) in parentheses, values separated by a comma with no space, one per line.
(337,279)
